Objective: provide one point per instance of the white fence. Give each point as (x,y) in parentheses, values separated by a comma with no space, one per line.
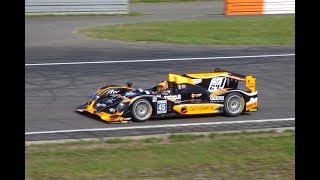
(279,6)
(76,7)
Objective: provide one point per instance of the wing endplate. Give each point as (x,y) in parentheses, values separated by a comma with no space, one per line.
(251,83)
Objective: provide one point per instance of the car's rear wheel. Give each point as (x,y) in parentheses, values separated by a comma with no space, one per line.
(233,104)
(141,110)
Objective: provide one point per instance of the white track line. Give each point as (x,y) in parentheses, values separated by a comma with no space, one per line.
(156,126)
(152,60)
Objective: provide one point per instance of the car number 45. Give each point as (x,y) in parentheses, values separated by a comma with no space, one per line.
(162,107)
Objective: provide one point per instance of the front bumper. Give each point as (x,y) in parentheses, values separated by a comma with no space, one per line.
(111,118)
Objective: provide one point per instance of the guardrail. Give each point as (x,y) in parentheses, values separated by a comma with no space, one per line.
(247,7)
(76,7)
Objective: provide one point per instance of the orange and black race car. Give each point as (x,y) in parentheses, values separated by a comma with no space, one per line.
(219,91)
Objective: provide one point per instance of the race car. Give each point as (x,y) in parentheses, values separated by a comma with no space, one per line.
(188,94)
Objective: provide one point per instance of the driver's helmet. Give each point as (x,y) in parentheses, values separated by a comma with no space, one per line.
(162,86)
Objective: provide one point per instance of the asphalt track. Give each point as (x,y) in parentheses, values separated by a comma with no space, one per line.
(52,92)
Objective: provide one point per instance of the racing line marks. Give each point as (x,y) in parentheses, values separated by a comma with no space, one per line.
(161,60)
(157,126)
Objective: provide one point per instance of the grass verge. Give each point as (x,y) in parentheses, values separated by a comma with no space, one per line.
(264,30)
(268,155)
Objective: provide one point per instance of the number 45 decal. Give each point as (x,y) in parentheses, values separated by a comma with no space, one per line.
(162,106)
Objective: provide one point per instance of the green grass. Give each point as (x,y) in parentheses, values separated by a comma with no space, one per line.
(249,132)
(118,140)
(152,140)
(213,135)
(289,130)
(84,14)
(250,156)
(264,30)
(184,137)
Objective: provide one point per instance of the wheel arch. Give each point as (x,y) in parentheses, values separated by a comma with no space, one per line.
(227,111)
(128,111)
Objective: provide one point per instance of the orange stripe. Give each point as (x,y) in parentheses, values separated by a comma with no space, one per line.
(243,13)
(244,1)
(243,7)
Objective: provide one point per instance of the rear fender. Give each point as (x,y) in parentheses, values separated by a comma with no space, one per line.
(251,100)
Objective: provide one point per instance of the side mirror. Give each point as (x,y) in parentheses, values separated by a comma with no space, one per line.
(129,84)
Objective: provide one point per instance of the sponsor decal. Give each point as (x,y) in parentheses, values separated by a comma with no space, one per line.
(110,100)
(201,108)
(165,92)
(162,106)
(253,99)
(154,99)
(181,86)
(217,83)
(112,91)
(196,95)
(249,106)
(173,97)
(252,103)
(197,81)
(184,109)
(207,108)
(101,104)
(130,93)
(216,98)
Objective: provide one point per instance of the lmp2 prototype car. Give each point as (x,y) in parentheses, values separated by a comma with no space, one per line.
(219,91)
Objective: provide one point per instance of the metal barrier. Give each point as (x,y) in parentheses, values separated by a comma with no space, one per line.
(76,7)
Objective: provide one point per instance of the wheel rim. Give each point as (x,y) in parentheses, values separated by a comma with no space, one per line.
(234,104)
(142,110)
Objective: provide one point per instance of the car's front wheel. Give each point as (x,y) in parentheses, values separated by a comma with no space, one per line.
(141,110)
(233,104)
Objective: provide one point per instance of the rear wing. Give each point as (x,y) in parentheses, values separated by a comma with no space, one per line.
(249,79)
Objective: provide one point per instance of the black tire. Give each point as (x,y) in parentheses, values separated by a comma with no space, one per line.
(141,110)
(233,104)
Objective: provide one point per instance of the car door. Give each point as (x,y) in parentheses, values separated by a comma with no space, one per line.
(193,93)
